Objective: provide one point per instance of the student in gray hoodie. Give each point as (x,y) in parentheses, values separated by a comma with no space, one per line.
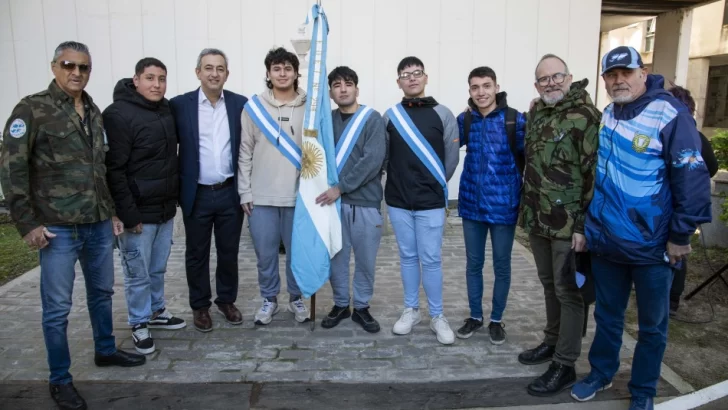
(361,146)
(272,125)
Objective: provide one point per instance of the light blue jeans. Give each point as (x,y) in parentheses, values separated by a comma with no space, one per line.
(144,262)
(419,239)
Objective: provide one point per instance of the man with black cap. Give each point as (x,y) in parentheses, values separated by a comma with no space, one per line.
(652,191)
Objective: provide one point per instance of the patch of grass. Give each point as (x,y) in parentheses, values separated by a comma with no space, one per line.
(15,256)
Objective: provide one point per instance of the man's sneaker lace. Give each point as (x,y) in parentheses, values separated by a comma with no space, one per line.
(589,387)
(497,333)
(266,312)
(299,309)
(143,342)
(471,326)
(166,320)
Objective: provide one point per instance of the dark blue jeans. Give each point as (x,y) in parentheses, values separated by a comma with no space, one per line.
(92,245)
(613,284)
(501,239)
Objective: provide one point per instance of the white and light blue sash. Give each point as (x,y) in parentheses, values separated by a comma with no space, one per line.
(351,135)
(273,131)
(418,144)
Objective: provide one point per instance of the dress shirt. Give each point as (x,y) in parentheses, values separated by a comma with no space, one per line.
(216,160)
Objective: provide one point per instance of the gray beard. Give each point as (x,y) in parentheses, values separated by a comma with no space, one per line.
(552,101)
(623,99)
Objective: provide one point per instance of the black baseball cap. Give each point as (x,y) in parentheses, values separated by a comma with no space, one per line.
(622,56)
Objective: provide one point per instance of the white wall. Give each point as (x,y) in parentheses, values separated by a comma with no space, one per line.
(371,36)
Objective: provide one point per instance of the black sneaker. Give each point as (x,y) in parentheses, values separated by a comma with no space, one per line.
(66,397)
(674,307)
(367,322)
(497,333)
(336,315)
(471,326)
(143,342)
(163,319)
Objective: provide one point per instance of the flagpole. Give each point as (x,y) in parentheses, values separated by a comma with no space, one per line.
(313,312)
(313,297)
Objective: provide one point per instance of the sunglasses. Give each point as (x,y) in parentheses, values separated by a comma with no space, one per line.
(71,66)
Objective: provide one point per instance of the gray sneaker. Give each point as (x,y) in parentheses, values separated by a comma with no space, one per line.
(299,309)
(266,312)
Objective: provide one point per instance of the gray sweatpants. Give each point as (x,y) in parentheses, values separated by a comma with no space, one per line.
(361,229)
(268,226)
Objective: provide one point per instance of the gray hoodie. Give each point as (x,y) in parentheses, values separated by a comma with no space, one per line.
(360,178)
(265,176)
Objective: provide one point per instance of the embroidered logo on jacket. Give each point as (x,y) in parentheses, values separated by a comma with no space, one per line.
(640,142)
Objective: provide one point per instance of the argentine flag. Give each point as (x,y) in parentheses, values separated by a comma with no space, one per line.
(316,228)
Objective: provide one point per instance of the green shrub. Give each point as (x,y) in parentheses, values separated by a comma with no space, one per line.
(719,141)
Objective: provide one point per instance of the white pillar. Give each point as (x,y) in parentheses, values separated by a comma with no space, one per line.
(697,83)
(672,46)
(602,98)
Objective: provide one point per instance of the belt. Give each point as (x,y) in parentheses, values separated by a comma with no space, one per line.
(217,186)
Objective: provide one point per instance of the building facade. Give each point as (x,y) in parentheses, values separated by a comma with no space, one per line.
(371,36)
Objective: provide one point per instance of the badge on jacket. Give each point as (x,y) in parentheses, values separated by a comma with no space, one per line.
(17,128)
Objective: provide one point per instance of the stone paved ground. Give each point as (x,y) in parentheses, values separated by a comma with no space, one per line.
(286,350)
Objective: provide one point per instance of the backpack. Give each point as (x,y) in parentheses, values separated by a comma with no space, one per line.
(510,132)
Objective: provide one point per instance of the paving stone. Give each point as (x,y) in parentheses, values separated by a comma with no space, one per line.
(366,364)
(297,354)
(412,363)
(318,364)
(219,365)
(278,366)
(199,376)
(293,376)
(380,353)
(262,354)
(220,355)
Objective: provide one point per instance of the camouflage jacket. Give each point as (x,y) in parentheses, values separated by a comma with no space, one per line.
(52,173)
(561,154)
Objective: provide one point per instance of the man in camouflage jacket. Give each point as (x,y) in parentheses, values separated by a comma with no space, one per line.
(54,178)
(561,147)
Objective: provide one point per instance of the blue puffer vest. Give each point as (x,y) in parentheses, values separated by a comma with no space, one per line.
(490,185)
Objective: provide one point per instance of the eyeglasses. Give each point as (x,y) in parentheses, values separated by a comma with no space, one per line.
(71,66)
(557,78)
(415,74)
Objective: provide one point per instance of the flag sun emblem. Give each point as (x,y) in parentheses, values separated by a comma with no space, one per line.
(311,161)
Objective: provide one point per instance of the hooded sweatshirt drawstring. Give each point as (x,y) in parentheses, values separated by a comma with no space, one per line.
(290,122)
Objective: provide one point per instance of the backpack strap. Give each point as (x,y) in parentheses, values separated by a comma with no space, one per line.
(511,120)
(467,121)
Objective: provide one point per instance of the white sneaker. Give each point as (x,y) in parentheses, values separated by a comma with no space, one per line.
(441,327)
(266,312)
(409,318)
(299,309)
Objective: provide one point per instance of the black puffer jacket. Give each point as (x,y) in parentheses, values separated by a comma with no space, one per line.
(142,165)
